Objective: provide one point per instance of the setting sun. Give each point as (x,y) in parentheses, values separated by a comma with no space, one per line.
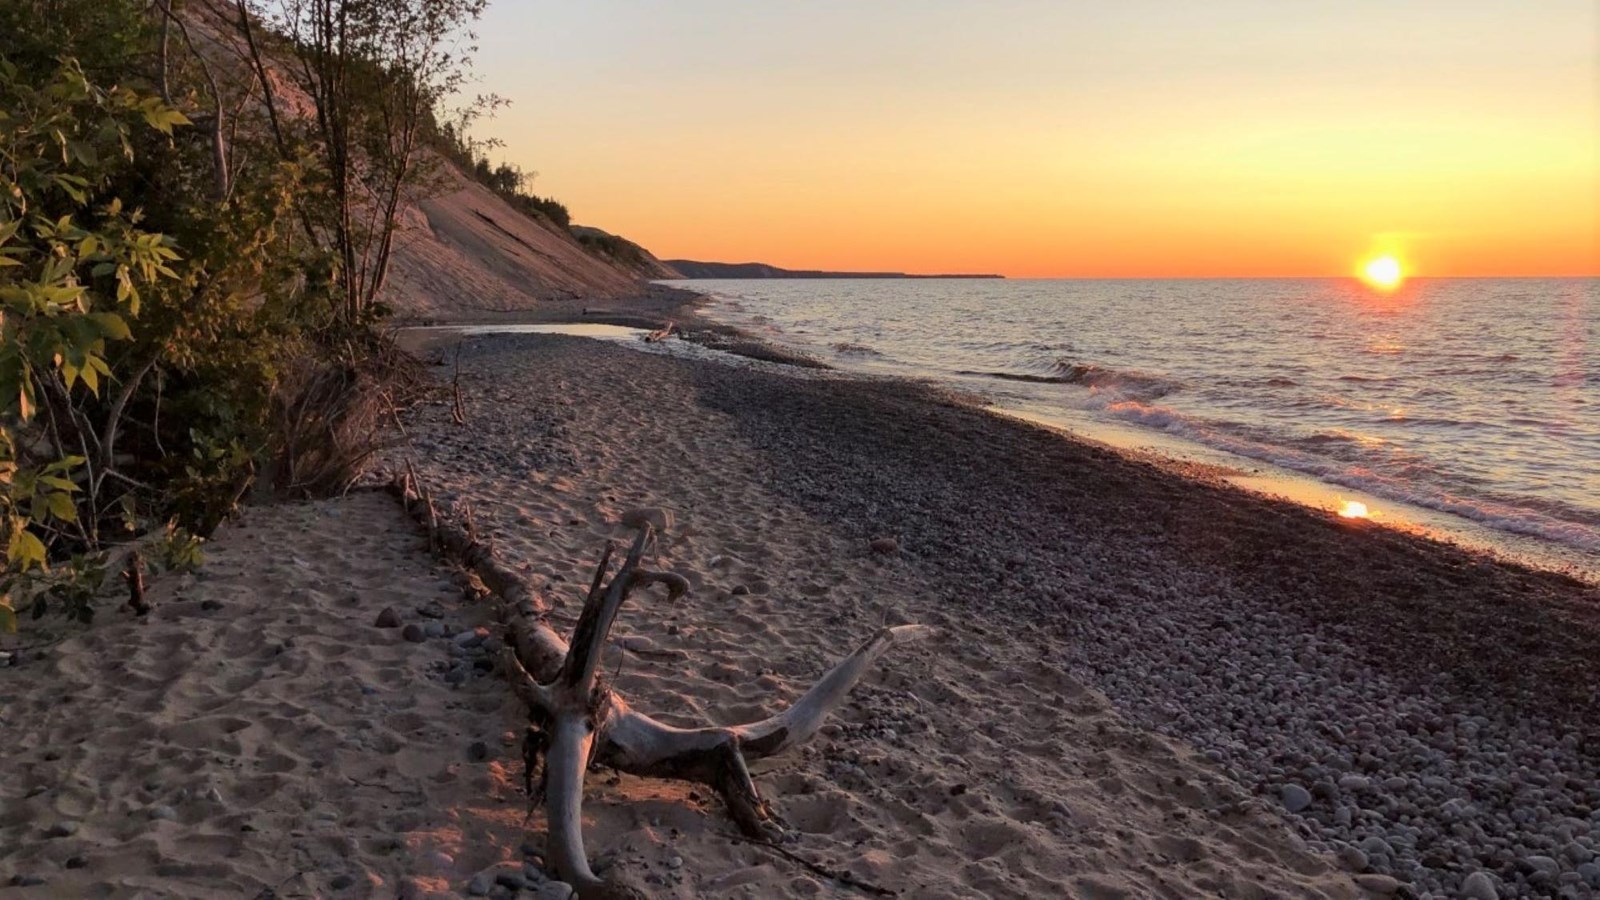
(1383,272)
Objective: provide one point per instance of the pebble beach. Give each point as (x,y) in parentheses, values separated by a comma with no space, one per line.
(1144,683)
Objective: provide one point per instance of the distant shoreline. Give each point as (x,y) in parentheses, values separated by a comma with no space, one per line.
(694,270)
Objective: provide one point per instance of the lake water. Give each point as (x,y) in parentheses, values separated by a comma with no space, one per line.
(1478,399)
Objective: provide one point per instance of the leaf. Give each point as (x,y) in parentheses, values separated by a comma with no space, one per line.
(25,550)
(59,483)
(111,325)
(61,507)
(8,616)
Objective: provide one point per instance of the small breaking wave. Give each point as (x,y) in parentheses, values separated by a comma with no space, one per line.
(1123,382)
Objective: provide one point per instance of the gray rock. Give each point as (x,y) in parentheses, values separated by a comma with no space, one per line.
(1354,782)
(162,812)
(675,863)
(510,879)
(1295,798)
(1542,865)
(1479,886)
(469,639)
(341,881)
(388,618)
(477,751)
(433,629)
(1590,873)
(414,633)
(1379,884)
(554,890)
(26,880)
(61,830)
(1353,857)
(480,884)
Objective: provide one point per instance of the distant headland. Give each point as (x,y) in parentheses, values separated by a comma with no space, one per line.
(690,268)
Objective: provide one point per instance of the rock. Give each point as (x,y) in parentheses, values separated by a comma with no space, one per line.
(26,880)
(477,751)
(1378,884)
(510,879)
(388,618)
(1354,782)
(884,546)
(342,881)
(61,830)
(1590,873)
(430,611)
(458,675)
(414,633)
(1376,846)
(675,863)
(76,862)
(209,605)
(1353,857)
(480,884)
(1295,797)
(654,516)
(554,890)
(434,629)
(1479,886)
(162,812)
(469,639)
(739,590)
(1543,865)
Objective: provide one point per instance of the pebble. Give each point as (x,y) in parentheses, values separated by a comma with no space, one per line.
(1590,873)
(162,812)
(414,633)
(884,546)
(26,881)
(675,863)
(1479,886)
(1379,884)
(388,618)
(510,879)
(480,884)
(341,881)
(477,751)
(433,629)
(61,830)
(210,605)
(1295,797)
(76,862)
(554,890)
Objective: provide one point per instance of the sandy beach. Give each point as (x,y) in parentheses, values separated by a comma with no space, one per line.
(1144,683)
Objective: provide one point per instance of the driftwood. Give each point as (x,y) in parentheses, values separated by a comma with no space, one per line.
(577,719)
(134,576)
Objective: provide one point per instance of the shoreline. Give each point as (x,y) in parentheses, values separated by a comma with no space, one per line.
(1401,685)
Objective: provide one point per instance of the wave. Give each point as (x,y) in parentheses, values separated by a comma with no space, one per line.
(1123,382)
(1405,487)
(846,348)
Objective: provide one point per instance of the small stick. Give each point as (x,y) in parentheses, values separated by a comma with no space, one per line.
(458,410)
(840,876)
(134,575)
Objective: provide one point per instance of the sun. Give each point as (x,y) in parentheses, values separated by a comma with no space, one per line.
(1383,272)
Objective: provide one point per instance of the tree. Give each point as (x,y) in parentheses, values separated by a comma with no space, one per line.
(376,73)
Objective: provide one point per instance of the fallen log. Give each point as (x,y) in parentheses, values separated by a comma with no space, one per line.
(576,719)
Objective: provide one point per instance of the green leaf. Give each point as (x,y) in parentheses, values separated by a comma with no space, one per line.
(25,550)
(8,616)
(61,507)
(59,483)
(111,325)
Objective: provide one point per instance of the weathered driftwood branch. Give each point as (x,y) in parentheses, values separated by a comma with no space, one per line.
(578,720)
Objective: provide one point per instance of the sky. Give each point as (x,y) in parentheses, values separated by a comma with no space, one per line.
(1042,138)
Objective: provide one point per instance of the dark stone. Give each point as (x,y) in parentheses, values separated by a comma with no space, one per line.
(957,790)
(477,751)
(388,618)
(414,633)
(885,546)
(340,882)
(76,862)
(61,830)
(209,605)
(26,881)
(740,590)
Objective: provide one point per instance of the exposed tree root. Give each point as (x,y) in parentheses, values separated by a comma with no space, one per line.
(578,720)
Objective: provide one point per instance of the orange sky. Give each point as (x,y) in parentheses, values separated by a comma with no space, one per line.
(1036,138)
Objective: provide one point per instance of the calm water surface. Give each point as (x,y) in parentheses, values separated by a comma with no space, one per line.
(1479,398)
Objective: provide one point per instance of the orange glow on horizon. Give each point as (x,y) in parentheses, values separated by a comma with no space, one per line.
(1065,140)
(1385,273)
